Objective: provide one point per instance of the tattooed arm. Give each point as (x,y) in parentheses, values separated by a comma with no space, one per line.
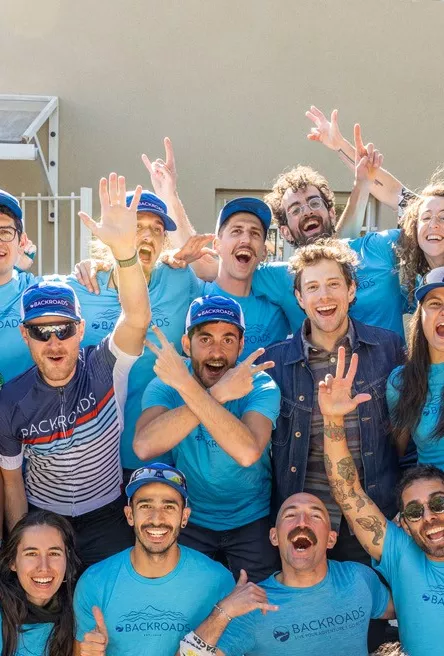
(363,516)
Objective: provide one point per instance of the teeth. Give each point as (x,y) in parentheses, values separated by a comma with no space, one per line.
(244,252)
(157,534)
(325,308)
(438,529)
(434,238)
(48,580)
(215,364)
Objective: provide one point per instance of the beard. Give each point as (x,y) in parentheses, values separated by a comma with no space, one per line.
(156,549)
(299,238)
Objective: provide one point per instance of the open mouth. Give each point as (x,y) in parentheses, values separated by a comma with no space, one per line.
(434,238)
(244,255)
(55,358)
(42,582)
(156,534)
(326,310)
(301,543)
(145,253)
(435,534)
(215,367)
(311,225)
(3,253)
(440,330)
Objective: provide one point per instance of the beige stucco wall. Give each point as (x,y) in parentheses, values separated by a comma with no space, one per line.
(229,82)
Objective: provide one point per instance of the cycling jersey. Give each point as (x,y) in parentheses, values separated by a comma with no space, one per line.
(70,435)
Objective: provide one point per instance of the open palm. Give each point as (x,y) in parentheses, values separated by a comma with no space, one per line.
(335,398)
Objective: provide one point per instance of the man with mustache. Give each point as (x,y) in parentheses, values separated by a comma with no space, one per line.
(216,415)
(324,606)
(64,415)
(410,556)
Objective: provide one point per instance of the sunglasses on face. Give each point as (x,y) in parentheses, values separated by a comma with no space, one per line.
(42,333)
(166,474)
(414,511)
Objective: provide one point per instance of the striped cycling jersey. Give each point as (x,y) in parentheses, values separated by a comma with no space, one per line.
(69,436)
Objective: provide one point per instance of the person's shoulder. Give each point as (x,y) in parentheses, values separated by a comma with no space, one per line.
(207,567)
(382,335)
(104,569)
(279,349)
(17,388)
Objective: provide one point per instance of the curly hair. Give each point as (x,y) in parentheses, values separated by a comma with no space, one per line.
(412,260)
(300,177)
(324,249)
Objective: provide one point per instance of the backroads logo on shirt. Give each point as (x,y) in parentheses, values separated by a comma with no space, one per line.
(320,626)
(435,595)
(160,319)
(11,320)
(256,334)
(152,621)
(105,320)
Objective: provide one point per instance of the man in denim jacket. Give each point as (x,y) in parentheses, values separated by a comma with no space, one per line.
(325,288)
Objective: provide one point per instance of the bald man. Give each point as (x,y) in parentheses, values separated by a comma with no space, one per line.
(324,606)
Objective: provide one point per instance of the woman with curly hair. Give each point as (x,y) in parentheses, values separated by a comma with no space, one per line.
(415,391)
(38,566)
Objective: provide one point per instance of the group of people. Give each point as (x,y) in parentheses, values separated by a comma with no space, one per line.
(203,452)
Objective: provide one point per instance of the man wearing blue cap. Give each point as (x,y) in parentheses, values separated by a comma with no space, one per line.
(144,600)
(216,415)
(65,414)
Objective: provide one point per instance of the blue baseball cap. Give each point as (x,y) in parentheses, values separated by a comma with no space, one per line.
(11,202)
(246,204)
(214,308)
(50,298)
(432,280)
(151,203)
(157,472)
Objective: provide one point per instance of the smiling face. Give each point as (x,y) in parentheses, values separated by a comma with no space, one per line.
(325,297)
(40,563)
(432,319)
(303,533)
(214,348)
(427,532)
(9,250)
(241,245)
(430,230)
(309,224)
(150,239)
(157,513)
(56,360)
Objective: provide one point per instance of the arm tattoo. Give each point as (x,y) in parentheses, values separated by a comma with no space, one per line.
(347,470)
(335,433)
(374,525)
(345,156)
(337,490)
(360,501)
(328,465)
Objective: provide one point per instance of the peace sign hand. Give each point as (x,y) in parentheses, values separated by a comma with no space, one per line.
(163,173)
(238,381)
(117,227)
(368,160)
(170,367)
(325,131)
(335,392)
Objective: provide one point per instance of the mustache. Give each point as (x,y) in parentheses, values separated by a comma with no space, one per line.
(305,531)
(156,526)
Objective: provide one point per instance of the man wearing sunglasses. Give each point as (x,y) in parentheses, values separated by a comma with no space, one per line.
(410,557)
(64,415)
(144,600)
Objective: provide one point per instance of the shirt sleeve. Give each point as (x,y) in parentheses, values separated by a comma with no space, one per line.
(380,245)
(196,285)
(85,597)
(379,592)
(157,393)
(396,542)
(239,636)
(11,446)
(264,398)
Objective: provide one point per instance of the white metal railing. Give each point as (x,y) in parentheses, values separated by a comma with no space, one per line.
(62,219)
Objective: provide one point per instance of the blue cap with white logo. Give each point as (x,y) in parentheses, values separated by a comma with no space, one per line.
(157,472)
(432,280)
(151,203)
(250,206)
(11,202)
(215,308)
(50,299)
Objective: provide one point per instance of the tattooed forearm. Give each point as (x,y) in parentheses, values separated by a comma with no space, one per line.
(374,525)
(328,464)
(359,501)
(347,470)
(338,492)
(334,433)
(345,156)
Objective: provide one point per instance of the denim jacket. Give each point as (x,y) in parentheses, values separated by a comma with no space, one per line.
(380,351)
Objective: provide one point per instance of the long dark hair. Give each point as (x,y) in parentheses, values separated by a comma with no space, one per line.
(412,384)
(13,601)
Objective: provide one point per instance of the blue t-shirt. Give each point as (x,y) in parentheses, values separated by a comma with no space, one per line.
(32,640)
(265,321)
(149,616)
(380,300)
(417,585)
(330,618)
(171,292)
(15,357)
(223,494)
(430,450)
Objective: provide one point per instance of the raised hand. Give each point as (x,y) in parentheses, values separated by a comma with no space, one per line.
(94,642)
(335,398)
(117,227)
(325,131)
(245,598)
(191,251)
(238,381)
(163,172)
(26,253)
(368,160)
(170,367)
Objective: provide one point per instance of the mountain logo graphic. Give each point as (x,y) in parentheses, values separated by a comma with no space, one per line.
(150,615)
(281,633)
(106,319)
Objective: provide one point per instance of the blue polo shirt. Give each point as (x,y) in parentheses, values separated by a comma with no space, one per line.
(223,494)
(379,298)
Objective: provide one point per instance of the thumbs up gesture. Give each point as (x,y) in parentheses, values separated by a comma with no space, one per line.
(246,597)
(94,642)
